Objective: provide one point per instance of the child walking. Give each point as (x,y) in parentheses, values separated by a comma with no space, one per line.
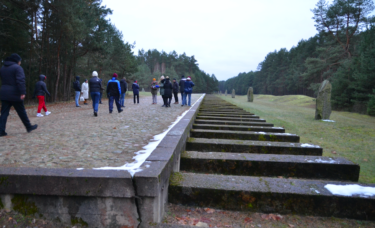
(40,91)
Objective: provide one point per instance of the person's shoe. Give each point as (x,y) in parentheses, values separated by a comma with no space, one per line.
(100,103)
(110,112)
(163,106)
(182,105)
(86,104)
(3,134)
(47,113)
(120,111)
(95,113)
(32,128)
(39,115)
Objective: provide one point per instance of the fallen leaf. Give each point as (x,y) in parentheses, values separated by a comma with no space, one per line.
(281,177)
(188,210)
(10,218)
(278,217)
(209,210)
(248,220)
(206,220)
(290,225)
(365,159)
(333,152)
(114,128)
(266,217)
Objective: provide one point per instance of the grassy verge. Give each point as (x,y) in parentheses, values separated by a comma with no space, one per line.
(351,136)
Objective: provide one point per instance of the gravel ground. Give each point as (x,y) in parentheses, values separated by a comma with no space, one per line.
(72,138)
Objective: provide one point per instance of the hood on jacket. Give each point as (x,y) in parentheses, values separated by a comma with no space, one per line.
(9,63)
(42,77)
(77,78)
(14,58)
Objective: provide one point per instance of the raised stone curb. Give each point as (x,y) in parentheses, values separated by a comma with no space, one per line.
(239,128)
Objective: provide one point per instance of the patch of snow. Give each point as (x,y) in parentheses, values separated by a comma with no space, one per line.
(142,155)
(350,190)
(331,121)
(309,145)
(313,189)
(331,161)
(277,128)
(285,134)
(80,168)
(263,133)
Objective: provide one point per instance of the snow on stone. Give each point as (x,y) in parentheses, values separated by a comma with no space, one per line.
(319,160)
(350,190)
(331,121)
(309,145)
(80,168)
(263,133)
(142,155)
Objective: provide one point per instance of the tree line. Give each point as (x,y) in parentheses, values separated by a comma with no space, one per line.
(343,52)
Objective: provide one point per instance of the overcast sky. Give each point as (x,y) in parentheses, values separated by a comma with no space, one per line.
(226,37)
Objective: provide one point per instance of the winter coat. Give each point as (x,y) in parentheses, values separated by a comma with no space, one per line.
(85,90)
(168,88)
(113,88)
(124,86)
(13,82)
(188,85)
(154,91)
(175,87)
(40,87)
(161,86)
(95,85)
(77,85)
(135,88)
(182,84)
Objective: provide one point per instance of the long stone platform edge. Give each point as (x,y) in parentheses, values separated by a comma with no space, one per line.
(99,198)
(152,184)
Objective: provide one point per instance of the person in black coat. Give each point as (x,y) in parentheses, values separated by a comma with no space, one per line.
(124,88)
(167,92)
(182,89)
(95,88)
(135,88)
(175,91)
(40,92)
(13,92)
(77,89)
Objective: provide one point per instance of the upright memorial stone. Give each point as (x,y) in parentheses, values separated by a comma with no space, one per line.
(143,89)
(233,94)
(250,94)
(225,92)
(323,101)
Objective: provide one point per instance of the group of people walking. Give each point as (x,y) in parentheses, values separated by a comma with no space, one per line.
(13,92)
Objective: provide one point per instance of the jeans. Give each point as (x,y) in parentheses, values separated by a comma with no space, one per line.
(189,96)
(117,101)
(95,96)
(122,100)
(78,93)
(182,98)
(100,98)
(154,99)
(20,109)
(175,97)
(136,95)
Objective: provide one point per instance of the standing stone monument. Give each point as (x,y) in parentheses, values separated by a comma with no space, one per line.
(143,89)
(225,92)
(233,93)
(323,101)
(250,94)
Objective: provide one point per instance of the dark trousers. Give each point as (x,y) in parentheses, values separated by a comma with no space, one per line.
(175,94)
(136,95)
(117,101)
(100,98)
(20,109)
(167,100)
(163,97)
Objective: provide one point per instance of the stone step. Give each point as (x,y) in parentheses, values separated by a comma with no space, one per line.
(239,128)
(225,122)
(231,118)
(270,165)
(221,109)
(239,112)
(271,195)
(229,115)
(242,135)
(254,147)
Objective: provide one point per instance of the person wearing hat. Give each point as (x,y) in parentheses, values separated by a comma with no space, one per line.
(95,85)
(40,92)
(13,92)
(77,89)
(182,88)
(167,92)
(135,88)
(85,91)
(161,86)
(154,90)
(124,88)
(175,91)
(114,92)
(188,90)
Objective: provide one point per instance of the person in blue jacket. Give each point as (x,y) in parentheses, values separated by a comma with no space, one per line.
(114,92)
(135,88)
(188,89)
(13,92)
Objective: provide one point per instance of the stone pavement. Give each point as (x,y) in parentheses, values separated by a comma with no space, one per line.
(72,138)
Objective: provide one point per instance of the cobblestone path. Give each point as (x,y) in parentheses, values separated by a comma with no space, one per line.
(72,138)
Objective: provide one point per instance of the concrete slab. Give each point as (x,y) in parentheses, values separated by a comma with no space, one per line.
(241,119)
(227,122)
(239,128)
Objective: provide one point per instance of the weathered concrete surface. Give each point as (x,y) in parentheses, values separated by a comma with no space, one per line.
(230,118)
(323,101)
(225,122)
(268,195)
(270,165)
(246,146)
(241,135)
(239,128)
(229,115)
(250,94)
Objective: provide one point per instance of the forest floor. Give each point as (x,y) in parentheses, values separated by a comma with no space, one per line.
(350,136)
(72,137)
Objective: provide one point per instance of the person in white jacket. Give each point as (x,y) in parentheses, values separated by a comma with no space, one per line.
(85,91)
